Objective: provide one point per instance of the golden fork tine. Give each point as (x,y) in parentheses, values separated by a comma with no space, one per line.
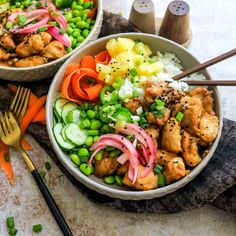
(9,127)
(18,101)
(15,99)
(14,125)
(4,125)
(22,109)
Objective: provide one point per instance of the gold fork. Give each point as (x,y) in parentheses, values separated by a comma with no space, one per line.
(11,135)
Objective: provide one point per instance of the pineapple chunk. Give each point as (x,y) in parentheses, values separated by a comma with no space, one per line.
(103,71)
(126,58)
(142,49)
(111,47)
(150,69)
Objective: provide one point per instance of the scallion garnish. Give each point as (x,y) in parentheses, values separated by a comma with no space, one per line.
(159,103)
(161,180)
(179,117)
(10,222)
(61,31)
(6,157)
(37,228)
(47,165)
(159,113)
(157,169)
(44,28)
(21,19)
(133,72)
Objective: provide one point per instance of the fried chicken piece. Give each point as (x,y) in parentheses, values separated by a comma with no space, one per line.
(4,55)
(7,42)
(24,50)
(171,136)
(154,134)
(133,104)
(46,38)
(163,156)
(152,90)
(152,119)
(5,63)
(192,109)
(123,168)
(174,170)
(206,96)
(190,150)
(36,42)
(106,166)
(209,127)
(146,183)
(31,61)
(54,50)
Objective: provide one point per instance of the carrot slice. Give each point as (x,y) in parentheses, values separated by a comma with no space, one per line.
(31,112)
(40,116)
(71,68)
(6,165)
(92,13)
(103,58)
(94,91)
(26,146)
(88,62)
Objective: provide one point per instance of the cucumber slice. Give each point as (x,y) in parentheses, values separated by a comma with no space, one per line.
(56,116)
(73,116)
(57,129)
(59,104)
(66,109)
(75,134)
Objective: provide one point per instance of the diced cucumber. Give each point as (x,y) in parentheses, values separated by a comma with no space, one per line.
(66,109)
(57,130)
(73,116)
(75,134)
(59,104)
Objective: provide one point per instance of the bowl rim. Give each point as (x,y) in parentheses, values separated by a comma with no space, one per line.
(60,60)
(107,190)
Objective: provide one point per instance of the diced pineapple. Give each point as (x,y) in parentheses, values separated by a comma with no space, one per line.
(111,47)
(126,58)
(142,49)
(150,69)
(103,71)
(124,44)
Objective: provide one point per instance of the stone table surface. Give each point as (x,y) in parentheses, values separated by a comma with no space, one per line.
(213,25)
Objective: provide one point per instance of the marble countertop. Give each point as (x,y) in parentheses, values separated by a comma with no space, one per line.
(213,24)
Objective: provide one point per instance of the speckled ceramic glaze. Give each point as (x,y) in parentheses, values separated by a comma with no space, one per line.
(155,43)
(48,70)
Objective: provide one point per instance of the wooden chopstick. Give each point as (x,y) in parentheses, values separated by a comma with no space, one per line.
(211,82)
(205,64)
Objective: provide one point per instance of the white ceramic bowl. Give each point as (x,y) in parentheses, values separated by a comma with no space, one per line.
(156,43)
(49,69)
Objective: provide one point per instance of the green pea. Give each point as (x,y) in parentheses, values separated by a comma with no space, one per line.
(76,13)
(72,25)
(85,33)
(79,8)
(96,124)
(85,169)
(95,139)
(81,24)
(85,106)
(87,26)
(89,141)
(99,155)
(74,41)
(80,39)
(73,5)
(83,152)
(93,132)
(69,16)
(17,4)
(71,38)
(88,20)
(76,34)
(26,3)
(90,114)
(75,159)
(69,50)
(69,30)
(12,7)
(118,180)
(76,20)
(77,30)
(80,2)
(83,114)
(78,44)
(109,179)
(86,5)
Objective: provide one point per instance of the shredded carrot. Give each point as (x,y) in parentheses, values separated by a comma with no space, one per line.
(94,91)
(88,62)
(40,116)
(31,113)
(92,13)
(6,165)
(71,68)
(103,58)
(26,146)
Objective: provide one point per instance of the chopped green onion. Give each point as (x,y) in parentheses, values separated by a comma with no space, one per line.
(133,72)
(6,157)
(159,103)
(44,28)
(99,155)
(37,228)
(61,31)
(47,165)
(10,222)
(38,4)
(157,169)
(9,25)
(153,106)
(159,113)
(143,120)
(21,19)
(12,231)
(42,174)
(179,116)
(161,180)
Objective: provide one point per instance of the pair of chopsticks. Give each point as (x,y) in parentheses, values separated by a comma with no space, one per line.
(205,65)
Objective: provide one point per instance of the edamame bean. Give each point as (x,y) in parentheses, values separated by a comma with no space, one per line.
(95,139)
(99,155)
(90,114)
(83,152)
(96,124)
(75,159)
(89,141)
(85,169)
(93,132)
(109,179)
(118,180)
(86,123)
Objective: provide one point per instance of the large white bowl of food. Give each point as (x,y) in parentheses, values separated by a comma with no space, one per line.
(36,37)
(122,126)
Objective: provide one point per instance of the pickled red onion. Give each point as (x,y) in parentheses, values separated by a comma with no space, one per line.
(63,38)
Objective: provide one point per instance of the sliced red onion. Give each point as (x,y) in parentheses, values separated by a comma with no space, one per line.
(122,158)
(63,38)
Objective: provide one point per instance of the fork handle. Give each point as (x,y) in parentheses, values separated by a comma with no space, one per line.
(47,196)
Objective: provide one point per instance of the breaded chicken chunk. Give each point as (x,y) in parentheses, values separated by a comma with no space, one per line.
(163,156)
(190,150)
(4,55)
(154,134)
(133,104)
(53,50)
(171,136)
(7,42)
(152,119)
(123,168)
(24,50)
(36,42)
(31,61)
(46,38)
(146,183)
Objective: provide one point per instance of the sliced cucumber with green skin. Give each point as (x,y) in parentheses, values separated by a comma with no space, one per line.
(75,134)
(59,104)
(57,129)
(56,116)
(66,109)
(73,116)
